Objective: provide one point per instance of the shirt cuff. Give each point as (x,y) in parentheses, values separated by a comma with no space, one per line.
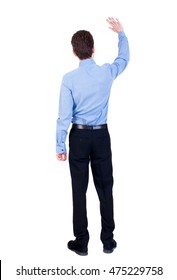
(60,149)
(121,34)
(60,142)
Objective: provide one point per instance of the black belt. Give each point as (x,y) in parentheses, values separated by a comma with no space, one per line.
(89,127)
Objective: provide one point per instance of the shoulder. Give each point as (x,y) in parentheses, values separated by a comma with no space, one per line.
(70,75)
(106,66)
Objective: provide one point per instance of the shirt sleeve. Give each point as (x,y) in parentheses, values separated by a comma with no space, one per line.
(121,61)
(64,118)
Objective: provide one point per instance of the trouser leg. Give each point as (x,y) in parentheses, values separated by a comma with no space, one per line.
(79,168)
(101,164)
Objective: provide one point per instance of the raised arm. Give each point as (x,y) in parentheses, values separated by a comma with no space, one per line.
(121,61)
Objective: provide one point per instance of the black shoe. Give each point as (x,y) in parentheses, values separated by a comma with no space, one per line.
(77,248)
(110,248)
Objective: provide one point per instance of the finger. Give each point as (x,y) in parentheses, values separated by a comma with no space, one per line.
(110,19)
(61,159)
(59,156)
(64,157)
(113,23)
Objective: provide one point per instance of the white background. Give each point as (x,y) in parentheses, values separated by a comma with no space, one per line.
(35,197)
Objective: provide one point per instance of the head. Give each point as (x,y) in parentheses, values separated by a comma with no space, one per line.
(83,44)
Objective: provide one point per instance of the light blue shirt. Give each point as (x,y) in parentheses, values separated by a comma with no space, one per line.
(85,92)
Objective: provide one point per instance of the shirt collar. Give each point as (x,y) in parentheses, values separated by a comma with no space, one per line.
(87,61)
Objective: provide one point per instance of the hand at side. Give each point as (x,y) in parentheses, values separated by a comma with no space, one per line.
(61,157)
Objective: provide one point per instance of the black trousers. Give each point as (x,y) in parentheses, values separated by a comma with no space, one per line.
(91,146)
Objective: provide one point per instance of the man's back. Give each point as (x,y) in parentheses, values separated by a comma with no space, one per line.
(90,86)
(86,90)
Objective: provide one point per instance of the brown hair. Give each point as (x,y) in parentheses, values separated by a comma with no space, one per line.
(82,43)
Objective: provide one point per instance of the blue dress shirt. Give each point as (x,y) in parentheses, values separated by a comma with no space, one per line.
(85,92)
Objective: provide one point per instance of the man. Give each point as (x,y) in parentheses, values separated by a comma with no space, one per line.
(84,100)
